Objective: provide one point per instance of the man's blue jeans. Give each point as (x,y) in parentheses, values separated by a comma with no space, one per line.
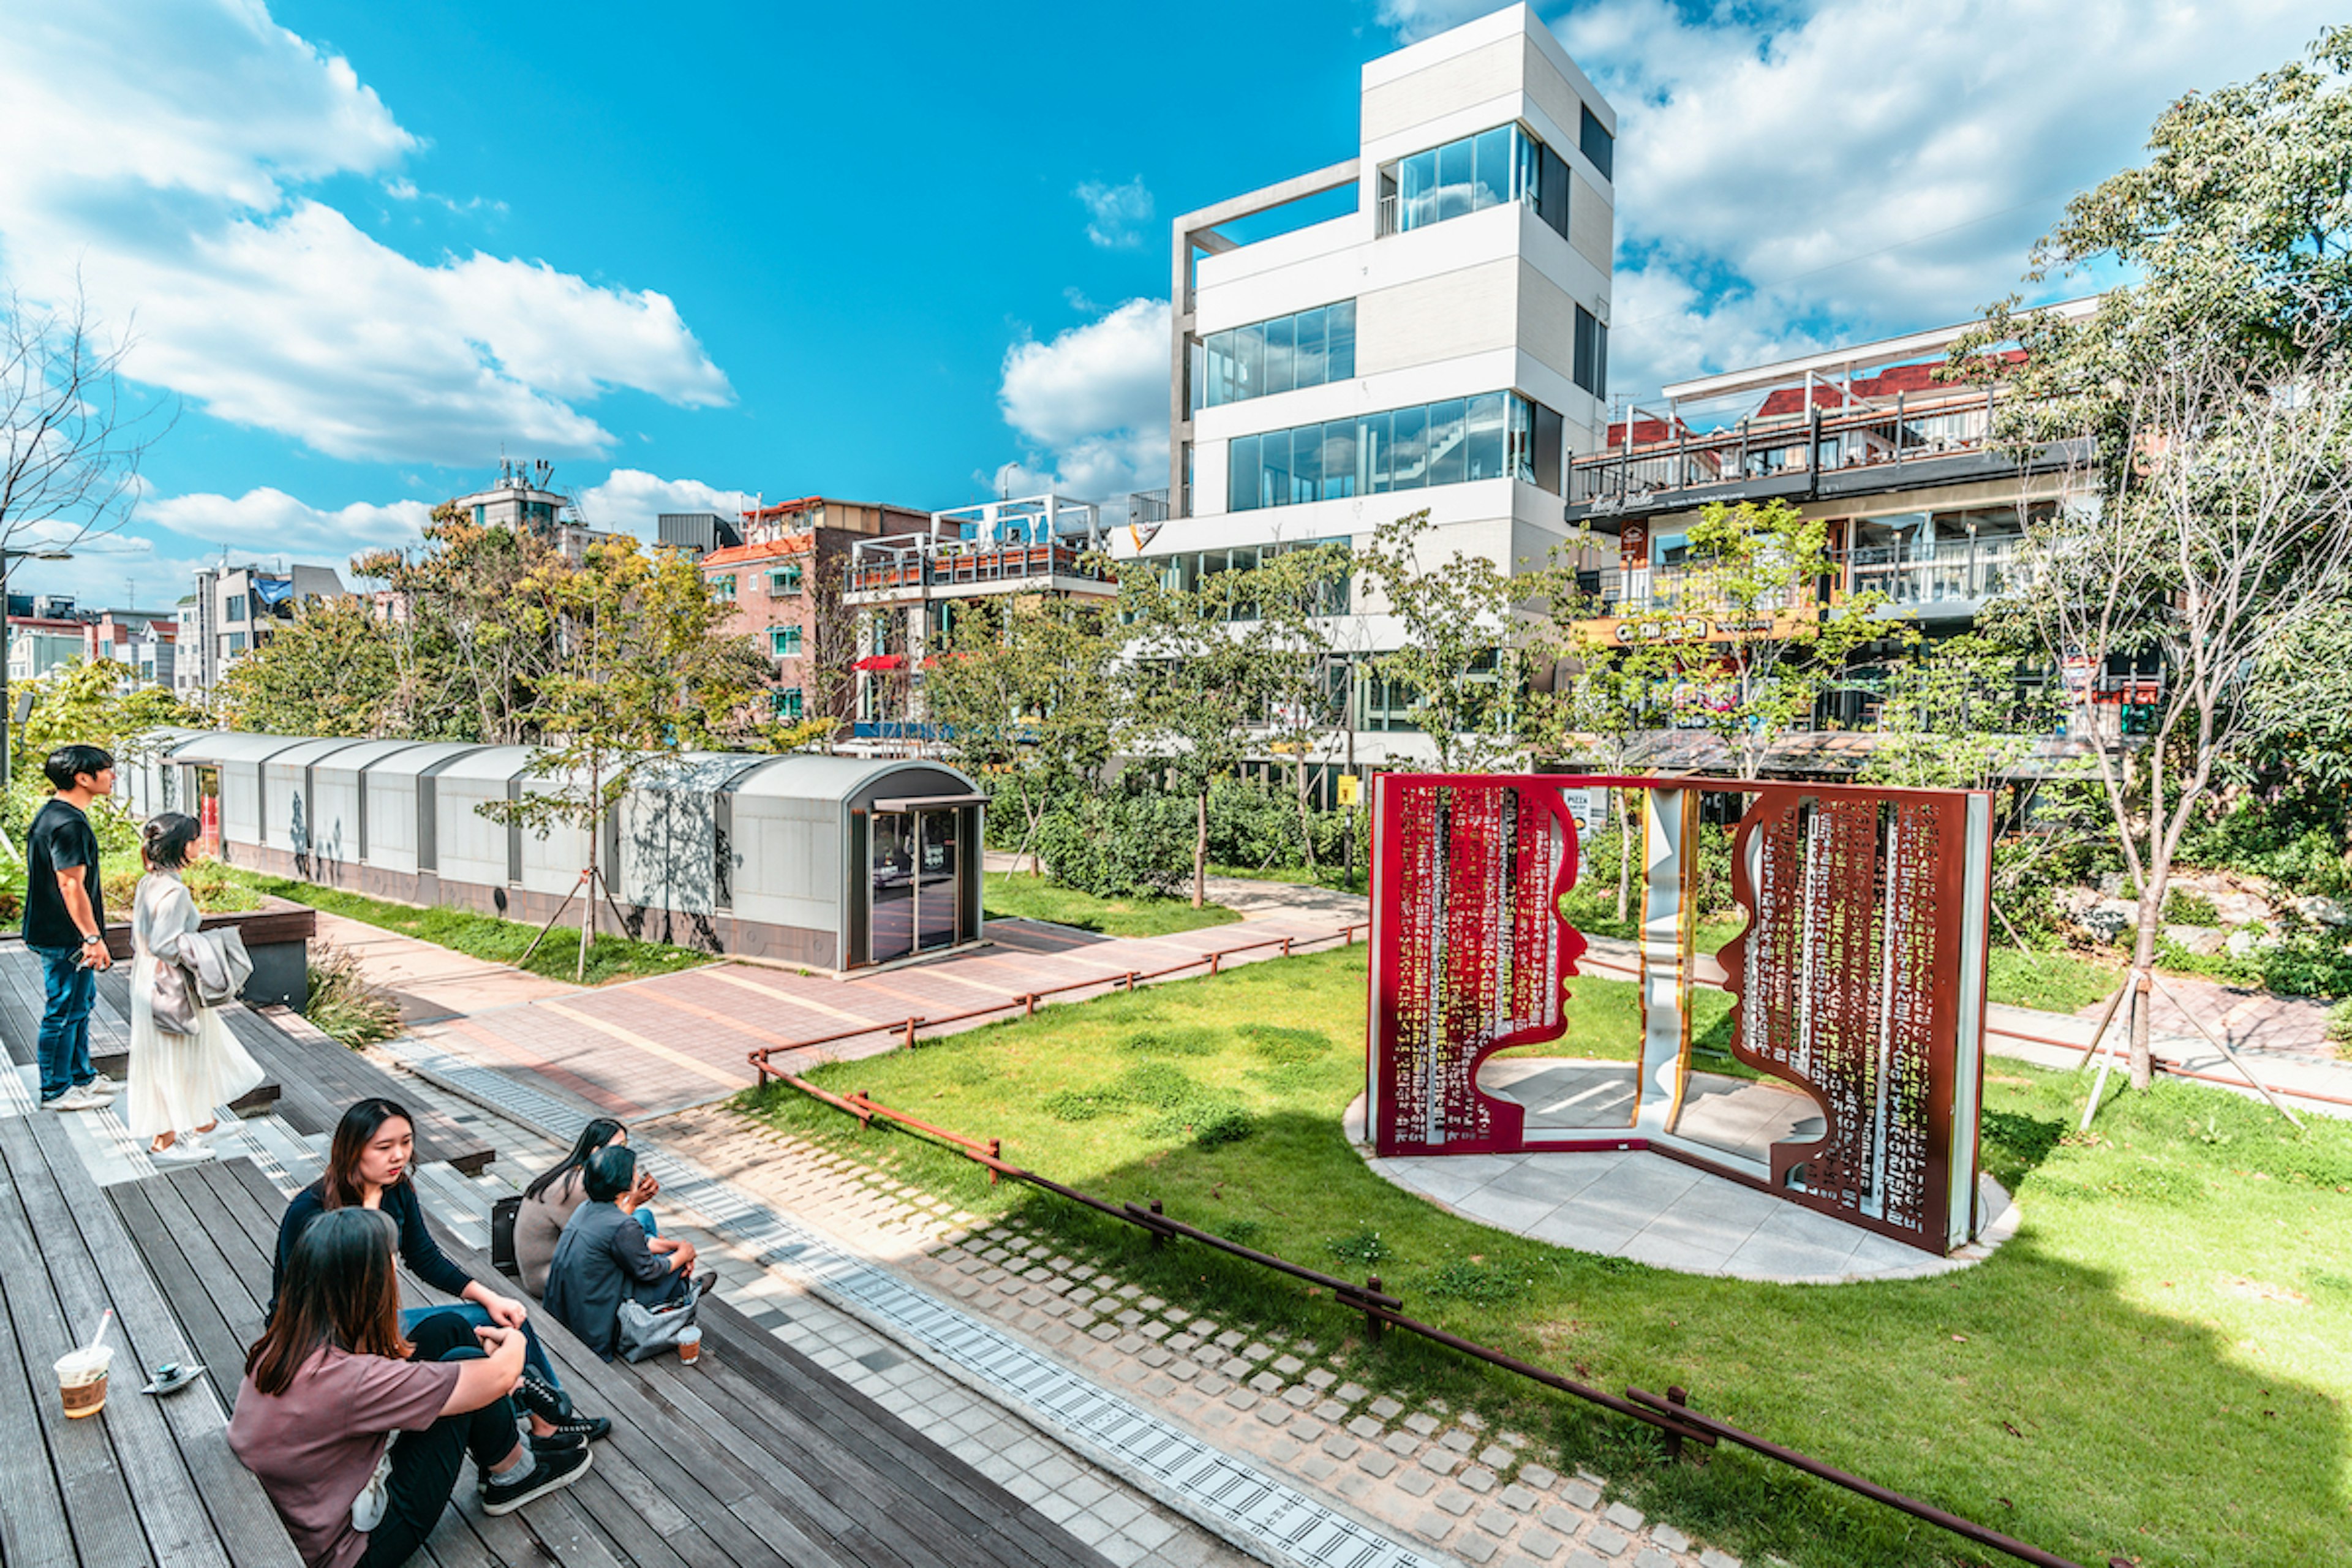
(533,1358)
(69,989)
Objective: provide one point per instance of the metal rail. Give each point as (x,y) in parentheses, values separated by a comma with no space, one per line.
(1670,1415)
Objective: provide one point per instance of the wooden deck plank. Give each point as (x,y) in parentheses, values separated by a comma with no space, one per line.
(319,1079)
(216,1344)
(240,1512)
(96,1498)
(32,1529)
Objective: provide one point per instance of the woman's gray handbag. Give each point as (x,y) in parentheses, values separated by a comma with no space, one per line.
(207,969)
(651,1330)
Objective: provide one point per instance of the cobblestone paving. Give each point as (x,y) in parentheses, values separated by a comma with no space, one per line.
(1434,1475)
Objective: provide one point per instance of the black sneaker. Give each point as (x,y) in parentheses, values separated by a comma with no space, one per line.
(534,1395)
(549,1472)
(582,1429)
(555,1442)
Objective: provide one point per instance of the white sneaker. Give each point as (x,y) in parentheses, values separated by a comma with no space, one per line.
(181,1154)
(103,1084)
(75,1099)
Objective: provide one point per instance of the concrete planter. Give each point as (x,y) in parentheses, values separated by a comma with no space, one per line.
(277,936)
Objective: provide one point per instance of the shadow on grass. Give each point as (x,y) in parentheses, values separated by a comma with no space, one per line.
(2027,1394)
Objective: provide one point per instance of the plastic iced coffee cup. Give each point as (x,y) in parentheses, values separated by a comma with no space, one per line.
(689,1346)
(81,1380)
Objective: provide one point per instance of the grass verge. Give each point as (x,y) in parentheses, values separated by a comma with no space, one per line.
(2153,1367)
(1017,895)
(486,937)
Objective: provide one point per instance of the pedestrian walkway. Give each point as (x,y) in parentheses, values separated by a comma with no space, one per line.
(645,1047)
(431,981)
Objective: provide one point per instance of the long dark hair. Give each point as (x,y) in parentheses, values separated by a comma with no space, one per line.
(340,1288)
(339,1188)
(600,1132)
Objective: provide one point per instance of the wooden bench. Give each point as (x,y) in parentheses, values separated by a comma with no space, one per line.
(146,1480)
(319,1079)
(754,1455)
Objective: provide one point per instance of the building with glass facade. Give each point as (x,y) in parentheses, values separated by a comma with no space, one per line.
(1440,342)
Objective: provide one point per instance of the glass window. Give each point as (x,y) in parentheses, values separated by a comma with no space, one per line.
(1588,357)
(1280,335)
(1240,487)
(1492,160)
(1445,443)
(1454,189)
(1484,440)
(1249,361)
(1307,464)
(788,704)
(1417,190)
(1411,460)
(1218,388)
(1550,450)
(1339,352)
(724,585)
(1372,453)
(1551,204)
(1338,458)
(1597,144)
(1274,471)
(1308,366)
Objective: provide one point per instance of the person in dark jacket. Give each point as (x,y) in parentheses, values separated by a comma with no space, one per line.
(368,1166)
(601,1258)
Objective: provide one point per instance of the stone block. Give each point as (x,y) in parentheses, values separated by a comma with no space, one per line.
(1477,1478)
(1349,1392)
(1606,1541)
(1289,1365)
(1420,1424)
(1668,1536)
(1518,1497)
(1455,1503)
(1367,1428)
(1623,1516)
(1538,1477)
(1377,1462)
(1339,1445)
(1417,1482)
(1387,1409)
(1438,1462)
(1461,1442)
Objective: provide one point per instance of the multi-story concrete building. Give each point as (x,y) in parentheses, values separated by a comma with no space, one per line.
(783,580)
(142,641)
(1922,506)
(697,533)
(39,644)
(1441,345)
(233,611)
(906,589)
(522,498)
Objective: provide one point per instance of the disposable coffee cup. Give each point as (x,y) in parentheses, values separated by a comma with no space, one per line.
(689,1346)
(81,1380)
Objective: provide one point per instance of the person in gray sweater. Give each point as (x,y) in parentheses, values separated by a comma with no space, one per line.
(601,1258)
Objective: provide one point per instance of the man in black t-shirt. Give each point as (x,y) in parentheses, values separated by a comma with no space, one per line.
(65,924)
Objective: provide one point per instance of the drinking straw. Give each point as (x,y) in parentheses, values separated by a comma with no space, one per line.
(102,1323)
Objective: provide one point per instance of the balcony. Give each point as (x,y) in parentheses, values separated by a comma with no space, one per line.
(1038,542)
(1953,576)
(1919,441)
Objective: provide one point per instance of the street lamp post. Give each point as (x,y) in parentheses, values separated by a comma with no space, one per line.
(8,649)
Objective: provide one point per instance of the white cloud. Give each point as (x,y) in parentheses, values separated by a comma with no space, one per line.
(1856,168)
(161,152)
(1092,404)
(1415,19)
(1114,213)
(265,524)
(630,501)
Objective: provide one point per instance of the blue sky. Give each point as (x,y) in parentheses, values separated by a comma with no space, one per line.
(913,253)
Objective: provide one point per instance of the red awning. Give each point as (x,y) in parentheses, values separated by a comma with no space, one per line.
(882,661)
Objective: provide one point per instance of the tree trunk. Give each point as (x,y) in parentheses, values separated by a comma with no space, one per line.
(1306,817)
(2151,921)
(1201,850)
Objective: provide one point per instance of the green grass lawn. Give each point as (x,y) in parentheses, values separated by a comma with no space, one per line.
(2156,1366)
(609,957)
(1017,895)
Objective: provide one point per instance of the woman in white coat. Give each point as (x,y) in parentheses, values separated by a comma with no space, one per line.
(178,1081)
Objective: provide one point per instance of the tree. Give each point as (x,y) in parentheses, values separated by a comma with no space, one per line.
(1021,690)
(1752,643)
(1193,688)
(85,700)
(1460,656)
(333,670)
(2227,535)
(1295,594)
(471,650)
(1959,716)
(1600,703)
(642,674)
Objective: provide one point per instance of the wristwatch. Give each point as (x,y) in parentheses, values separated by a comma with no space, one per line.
(93,938)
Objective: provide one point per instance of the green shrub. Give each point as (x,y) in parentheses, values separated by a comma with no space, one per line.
(1119,843)
(2185,908)
(344,1003)
(2339,1022)
(1217,1124)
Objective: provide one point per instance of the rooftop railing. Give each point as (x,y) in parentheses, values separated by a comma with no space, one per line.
(1034,538)
(1821,441)
(1943,572)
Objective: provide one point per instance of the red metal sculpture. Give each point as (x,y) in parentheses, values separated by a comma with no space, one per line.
(1858,979)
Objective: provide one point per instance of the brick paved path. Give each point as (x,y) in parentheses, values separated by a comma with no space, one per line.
(646,1047)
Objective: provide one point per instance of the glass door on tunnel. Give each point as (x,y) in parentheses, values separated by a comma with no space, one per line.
(938,868)
(890,907)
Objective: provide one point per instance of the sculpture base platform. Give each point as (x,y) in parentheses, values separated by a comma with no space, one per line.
(1644,1206)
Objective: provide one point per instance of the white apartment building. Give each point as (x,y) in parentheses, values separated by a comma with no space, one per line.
(1444,345)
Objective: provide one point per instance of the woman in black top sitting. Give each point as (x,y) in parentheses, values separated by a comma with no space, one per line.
(368,1166)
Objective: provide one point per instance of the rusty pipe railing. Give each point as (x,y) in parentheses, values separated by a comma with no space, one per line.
(762,1059)
(1670,1415)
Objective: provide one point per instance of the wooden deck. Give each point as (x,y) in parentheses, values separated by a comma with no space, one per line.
(311,1081)
(145,1482)
(755,1456)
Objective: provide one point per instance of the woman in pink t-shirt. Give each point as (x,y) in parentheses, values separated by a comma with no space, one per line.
(356,1432)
